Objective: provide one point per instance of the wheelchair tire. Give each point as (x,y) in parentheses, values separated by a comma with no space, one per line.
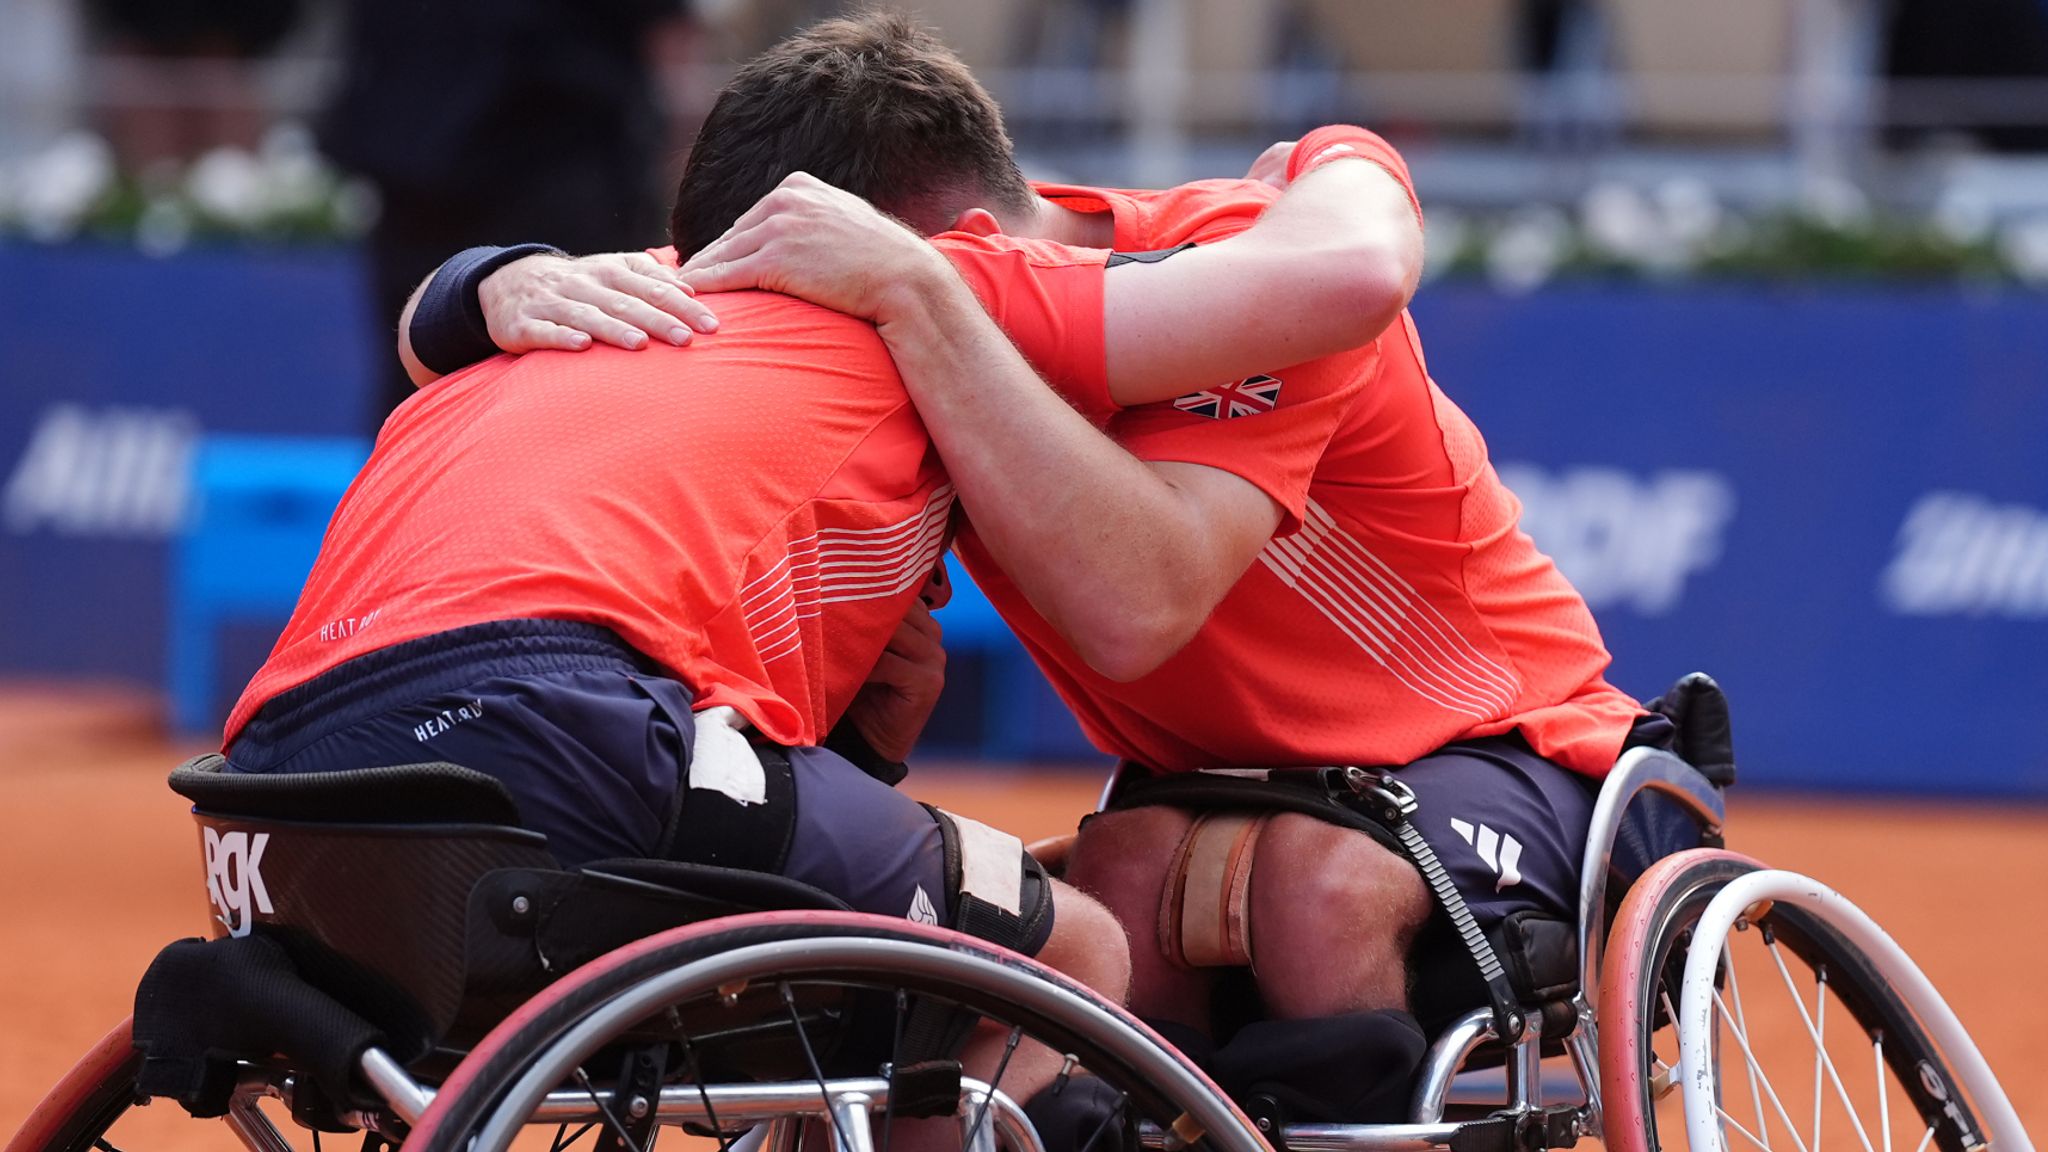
(496,1088)
(86,1102)
(95,1108)
(1639,996)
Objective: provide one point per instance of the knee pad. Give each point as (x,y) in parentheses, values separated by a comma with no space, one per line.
(999,892)
(1357,1068)
(1205,908)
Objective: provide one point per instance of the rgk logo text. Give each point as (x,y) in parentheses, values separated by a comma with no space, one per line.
(234,878)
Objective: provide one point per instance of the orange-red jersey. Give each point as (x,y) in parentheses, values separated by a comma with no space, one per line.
(755,511)
(1398,609)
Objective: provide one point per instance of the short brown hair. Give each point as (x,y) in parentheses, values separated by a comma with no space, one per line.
(871,103)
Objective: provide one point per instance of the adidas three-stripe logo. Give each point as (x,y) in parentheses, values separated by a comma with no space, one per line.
(1500,852)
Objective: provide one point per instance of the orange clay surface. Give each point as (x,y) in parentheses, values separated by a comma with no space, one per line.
(99,867)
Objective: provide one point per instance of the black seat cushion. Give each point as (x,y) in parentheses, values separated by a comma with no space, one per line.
(433,793)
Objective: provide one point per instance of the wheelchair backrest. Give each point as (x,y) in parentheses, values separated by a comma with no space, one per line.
(410,894)
(364,877)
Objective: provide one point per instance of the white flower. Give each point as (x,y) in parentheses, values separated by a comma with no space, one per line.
(1836,204)
(1962,215)
(1691,214)
(228,184)
(1528,248)
(294,176)
(165,227)
(54,189)
(1444,233)
(356,207)
(1619,222)
(2024,243)
(287,138)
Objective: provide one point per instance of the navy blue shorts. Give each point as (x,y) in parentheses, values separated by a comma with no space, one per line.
(592,740)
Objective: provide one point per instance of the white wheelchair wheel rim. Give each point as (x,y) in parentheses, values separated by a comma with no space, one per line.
(1700,1016)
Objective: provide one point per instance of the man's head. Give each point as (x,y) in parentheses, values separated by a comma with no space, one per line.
(870,103)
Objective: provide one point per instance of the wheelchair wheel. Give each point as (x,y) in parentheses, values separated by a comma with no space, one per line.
(83,1105)
(94,1108)
(1795,1033)
(819,1004)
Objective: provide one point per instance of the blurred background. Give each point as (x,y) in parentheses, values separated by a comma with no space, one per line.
(1749,297)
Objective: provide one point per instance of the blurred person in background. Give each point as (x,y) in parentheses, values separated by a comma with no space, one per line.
(188,87)
(1985,40)
(1196,572)
(482,120)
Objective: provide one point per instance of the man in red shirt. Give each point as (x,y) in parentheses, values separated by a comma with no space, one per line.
(1310,562)
(680,618)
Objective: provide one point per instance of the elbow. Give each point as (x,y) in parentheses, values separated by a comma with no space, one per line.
(1374,281)
(1379,285)
(1130,641)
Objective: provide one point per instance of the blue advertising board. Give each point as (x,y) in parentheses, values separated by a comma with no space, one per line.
(1835,500)
(112,365)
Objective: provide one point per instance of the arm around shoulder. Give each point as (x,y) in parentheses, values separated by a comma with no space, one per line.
(1327,268)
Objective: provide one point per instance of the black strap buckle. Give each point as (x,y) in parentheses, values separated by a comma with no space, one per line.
(1393,802)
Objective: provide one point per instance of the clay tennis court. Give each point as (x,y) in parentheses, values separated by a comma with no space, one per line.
(99,868)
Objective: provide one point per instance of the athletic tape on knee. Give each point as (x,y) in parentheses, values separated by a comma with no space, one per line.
(1205,908)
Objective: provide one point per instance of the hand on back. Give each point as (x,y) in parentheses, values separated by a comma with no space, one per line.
(563,302)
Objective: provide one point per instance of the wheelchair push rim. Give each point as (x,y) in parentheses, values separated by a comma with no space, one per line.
(508,1077)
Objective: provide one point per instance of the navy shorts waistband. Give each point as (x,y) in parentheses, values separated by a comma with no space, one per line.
(388,678)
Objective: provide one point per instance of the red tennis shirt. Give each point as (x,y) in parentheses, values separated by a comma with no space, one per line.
(1398,609)
(755,511)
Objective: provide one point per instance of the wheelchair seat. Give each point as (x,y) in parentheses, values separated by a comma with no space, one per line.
(407,896)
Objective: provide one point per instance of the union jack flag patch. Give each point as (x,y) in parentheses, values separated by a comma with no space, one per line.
(1248,397)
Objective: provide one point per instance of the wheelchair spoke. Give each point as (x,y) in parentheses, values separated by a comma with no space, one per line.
(1742,1041)
(1925,1138)
(1884,1101)
(895,1062)
(1003,1065)
(1731,1122)
(1671,1069)
(611,1121)
(1756,1097)
(1822,1061)
(1820,1051)
(563,1130)
(696,1070)
(1115,1116)
(803,1036)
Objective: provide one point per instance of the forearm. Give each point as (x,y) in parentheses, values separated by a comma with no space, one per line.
(1325,269)
(1105,548)
(418,373)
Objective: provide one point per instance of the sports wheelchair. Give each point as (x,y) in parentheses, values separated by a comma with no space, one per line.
(438,982)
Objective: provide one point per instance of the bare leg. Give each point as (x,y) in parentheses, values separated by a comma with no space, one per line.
(1121,858)
(1333,917)
(1086,944)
